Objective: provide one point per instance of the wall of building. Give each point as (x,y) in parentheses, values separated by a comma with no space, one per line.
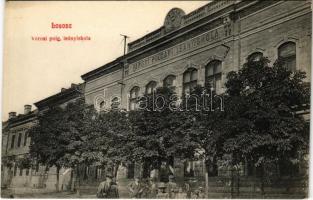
(264,31)
(263,27)
(38,178)
(259,27)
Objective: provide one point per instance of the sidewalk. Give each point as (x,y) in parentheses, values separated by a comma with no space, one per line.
(87,192)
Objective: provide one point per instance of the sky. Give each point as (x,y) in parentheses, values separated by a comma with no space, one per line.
(34,70)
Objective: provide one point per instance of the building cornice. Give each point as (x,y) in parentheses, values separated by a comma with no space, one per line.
(63,96)
(182,31)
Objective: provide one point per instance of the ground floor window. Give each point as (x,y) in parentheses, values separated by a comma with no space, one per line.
(15,170)
(27,171)
(130,170)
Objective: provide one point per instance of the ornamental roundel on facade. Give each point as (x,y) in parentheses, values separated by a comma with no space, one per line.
(173,19)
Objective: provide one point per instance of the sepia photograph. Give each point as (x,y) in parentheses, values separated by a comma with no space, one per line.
(156,99)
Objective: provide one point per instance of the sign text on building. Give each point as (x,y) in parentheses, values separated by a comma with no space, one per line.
(177,50)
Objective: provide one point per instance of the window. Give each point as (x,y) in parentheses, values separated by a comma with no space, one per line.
(15,170)
(150,87)
(19,139)
(12,141)
(25,138)
(115,103)
(134,93)
(169,81)
(102,105)
(190,80)
(255,56)
(287,54)
(37,167)
(27,171)
(213,75)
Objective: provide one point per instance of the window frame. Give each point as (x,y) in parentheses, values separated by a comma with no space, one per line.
(19,140)
(168,78)
(21,171)
(133,100)
(15,170)
(215,76)
(190,83)
(114,101)
(287,60)
(13,141)
(254,55)
(25,139)
(152,85)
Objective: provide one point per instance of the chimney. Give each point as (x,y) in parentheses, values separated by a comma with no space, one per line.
(12,115)
(27,109)
(73,85)
(63,89)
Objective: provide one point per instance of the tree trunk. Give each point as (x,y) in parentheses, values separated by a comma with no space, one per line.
(238,182)
(206,180)
(58,179)
(71,183)
(77,181)
(232,183)
(31,176)
(157,174)
(262,180)
(116,166)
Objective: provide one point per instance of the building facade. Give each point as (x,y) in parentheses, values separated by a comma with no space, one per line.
(202,47)
(16,142)
(188,50)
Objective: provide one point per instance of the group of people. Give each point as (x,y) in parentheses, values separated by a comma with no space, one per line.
(150,189)
(108,189)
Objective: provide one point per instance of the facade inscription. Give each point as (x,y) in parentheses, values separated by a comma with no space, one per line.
(177,50)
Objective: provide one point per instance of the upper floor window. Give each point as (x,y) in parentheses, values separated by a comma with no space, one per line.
(169,81)
(190,80)
(12,141)
(134,93)
(150,87)
(102,105)
(213,75)
(287,54)
(115,103)
(25,138)
(256,56)
(19,139)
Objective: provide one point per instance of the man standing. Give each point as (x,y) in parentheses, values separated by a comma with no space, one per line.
(165,172)
(107,189)
(135,188)
(171,187)
(153,188)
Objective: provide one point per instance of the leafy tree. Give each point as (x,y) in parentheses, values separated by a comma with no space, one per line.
(79,124)
(48,145)
(9,161)
(60,138)
(112,141)
(158,133)
(24,162)
(205,108)
(261,124)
